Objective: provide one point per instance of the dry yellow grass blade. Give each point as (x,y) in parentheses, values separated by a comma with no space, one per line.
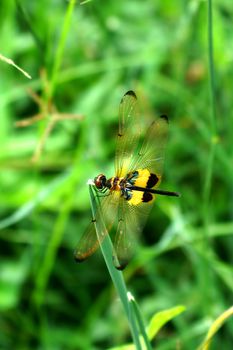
(12,63)
(217,324)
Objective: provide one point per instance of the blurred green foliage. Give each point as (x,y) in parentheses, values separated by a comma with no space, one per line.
(159,49)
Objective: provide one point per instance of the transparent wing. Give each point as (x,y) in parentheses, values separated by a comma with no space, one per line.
(128,133)
(103,220)
(151,153)
(130,224)
(133,154)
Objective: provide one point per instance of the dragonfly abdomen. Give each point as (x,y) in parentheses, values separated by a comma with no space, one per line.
(141,178)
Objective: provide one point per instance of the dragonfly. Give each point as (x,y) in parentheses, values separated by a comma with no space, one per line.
(125,200)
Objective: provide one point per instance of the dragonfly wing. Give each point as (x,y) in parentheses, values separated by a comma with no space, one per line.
(151,154)
(131,220)
(131,152)
(87,244)
(128,133)
(103,221)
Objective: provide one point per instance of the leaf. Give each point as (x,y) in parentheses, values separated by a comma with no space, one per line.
(161,318)
(156,323)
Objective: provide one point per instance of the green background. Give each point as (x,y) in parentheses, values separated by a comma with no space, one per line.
(82,60)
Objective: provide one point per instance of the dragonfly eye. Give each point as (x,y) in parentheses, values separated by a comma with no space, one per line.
(100,181)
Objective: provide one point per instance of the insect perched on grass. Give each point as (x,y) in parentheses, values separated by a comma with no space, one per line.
(125,200)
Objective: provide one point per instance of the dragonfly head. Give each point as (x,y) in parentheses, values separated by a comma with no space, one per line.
(100,181)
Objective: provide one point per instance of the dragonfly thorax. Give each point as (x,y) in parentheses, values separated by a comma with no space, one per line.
(115,183)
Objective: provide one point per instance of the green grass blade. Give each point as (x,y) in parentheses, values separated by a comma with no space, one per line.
(61,47)
(27,208)
(139,320)
(116,276)
(212,119)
